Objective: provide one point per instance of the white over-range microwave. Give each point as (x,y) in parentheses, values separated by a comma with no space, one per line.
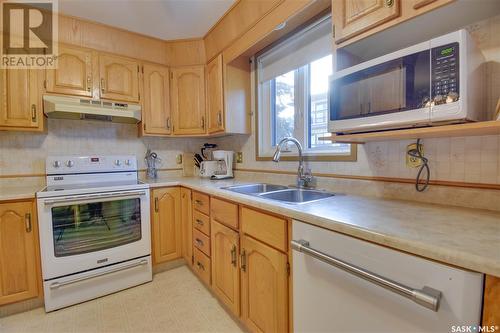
(434,82)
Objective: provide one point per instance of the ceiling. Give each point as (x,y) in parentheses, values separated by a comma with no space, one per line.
(164,19)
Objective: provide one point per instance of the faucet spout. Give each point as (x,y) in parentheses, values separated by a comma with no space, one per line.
(303,178)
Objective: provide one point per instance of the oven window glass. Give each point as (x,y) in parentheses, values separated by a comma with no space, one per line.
(398,85)
(89,227)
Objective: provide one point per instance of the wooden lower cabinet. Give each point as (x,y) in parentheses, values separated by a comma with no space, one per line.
(225,271)
(491,307)
(264,287)
(19,254)
(166,224)
(187,232)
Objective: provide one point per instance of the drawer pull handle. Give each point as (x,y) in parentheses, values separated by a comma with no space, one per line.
(33,112)
(27,219)
(233,256)
(244,260)
(199,222)
(199,242)
(89,82)
(103,86)
(156,204)
(198,202)
(427,297)
(200,266)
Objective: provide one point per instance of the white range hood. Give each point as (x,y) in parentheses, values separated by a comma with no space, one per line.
(65,107)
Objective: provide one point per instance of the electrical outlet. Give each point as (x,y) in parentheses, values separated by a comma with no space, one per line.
(178,159)
(414,162)
(239,157)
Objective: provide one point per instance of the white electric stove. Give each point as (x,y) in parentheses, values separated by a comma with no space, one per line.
(94,218)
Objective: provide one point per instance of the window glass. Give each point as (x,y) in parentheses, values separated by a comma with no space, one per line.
(284,106)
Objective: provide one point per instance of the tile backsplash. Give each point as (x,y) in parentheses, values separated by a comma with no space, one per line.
(24,153)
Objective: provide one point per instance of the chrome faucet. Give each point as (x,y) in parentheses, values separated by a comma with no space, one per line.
(304,177)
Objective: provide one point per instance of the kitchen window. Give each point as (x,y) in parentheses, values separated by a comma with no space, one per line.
(292,87)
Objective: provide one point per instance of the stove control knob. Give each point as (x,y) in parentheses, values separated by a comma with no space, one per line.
(70,164)
(128,162)
(118,162)
(56,164)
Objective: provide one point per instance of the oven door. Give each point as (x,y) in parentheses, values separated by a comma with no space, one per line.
(388,94)
(83,232)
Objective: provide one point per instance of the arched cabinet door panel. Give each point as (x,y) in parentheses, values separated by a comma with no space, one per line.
(74,72)
(264,287)
(119,78)
(166,224)
(18,252)
(188,100)
(156,101)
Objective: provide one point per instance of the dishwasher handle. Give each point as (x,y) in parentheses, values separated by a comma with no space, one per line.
(427,297)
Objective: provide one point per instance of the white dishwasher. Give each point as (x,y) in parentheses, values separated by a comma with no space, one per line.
(343,284)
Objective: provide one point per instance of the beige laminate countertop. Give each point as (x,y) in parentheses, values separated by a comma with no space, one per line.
(19,189)
(467,238)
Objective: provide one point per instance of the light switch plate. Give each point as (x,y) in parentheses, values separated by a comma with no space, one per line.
(414,162)
(239,157)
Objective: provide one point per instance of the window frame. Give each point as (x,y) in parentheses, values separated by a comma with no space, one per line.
(310,154)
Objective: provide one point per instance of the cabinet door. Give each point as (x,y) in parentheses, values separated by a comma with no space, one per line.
(166,224)
(353,17)
(187,232)
(18,254)
(119,78)
(188,100)
(264,284)
(225,272)
(156,112)
(20,99)
(215,97)
(73,75)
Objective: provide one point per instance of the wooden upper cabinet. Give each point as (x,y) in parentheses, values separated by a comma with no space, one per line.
(215,96)
(264,284)
(186,223)
(166,224)
(74,73)
(21,99)
(18,252)
(188,100)
(225,272)
(119,78)
(352,17)
(156,100)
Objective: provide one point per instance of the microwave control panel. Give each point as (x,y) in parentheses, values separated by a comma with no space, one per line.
(445,67)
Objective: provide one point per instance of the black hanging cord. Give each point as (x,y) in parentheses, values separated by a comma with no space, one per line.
(416,153)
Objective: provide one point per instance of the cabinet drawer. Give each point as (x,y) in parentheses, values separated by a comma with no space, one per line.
(202,265)
(201,202)
(201,222)
(201,241)
(266,228)
(224,212)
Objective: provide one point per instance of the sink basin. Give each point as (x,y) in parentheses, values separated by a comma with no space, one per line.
(255,188)
(297,196)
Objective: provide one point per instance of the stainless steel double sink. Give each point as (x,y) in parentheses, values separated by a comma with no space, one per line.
(280,193)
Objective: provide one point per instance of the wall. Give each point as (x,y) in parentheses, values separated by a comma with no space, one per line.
(24,153)
(460,159)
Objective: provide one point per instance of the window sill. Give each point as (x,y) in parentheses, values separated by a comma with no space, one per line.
(352,157)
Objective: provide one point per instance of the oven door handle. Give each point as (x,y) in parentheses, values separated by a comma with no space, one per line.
(57,285)
(93,196)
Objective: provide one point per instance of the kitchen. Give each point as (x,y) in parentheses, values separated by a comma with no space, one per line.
(245,166)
